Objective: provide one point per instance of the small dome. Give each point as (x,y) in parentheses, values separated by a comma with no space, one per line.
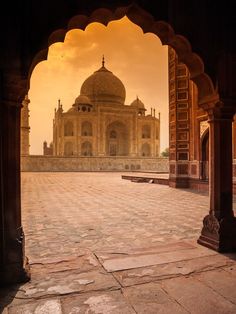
(82,100)
(104,87)
(138,104)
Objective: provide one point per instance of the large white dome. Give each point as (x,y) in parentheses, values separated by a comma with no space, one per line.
(104,87)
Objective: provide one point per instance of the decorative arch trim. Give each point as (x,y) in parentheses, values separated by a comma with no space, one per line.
(147,23)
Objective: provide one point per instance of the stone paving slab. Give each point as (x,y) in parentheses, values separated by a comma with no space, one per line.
(196,297)
(66,282)
(112,302)
(170,270)
(52,306)
(222,282)
(143,260)
(110,253)
(152,299)
(84,262)
(231,269)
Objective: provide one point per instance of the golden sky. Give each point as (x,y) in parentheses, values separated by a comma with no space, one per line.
(139,60)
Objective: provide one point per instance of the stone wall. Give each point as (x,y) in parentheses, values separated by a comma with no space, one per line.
(52,163)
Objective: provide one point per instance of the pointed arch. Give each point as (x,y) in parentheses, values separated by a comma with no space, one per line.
(147,23)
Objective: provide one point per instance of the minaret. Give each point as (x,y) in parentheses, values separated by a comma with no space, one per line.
(59,106)
(25,128)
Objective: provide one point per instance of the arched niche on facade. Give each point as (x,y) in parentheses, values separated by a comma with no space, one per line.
(113,134)
(145,150)
(146,131)
(157,133)
(117,139)
(68,128)
(86,128)
(68,149)
(86,149)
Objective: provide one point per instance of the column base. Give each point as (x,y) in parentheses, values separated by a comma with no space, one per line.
(15,273)
(178,182)
(219,235)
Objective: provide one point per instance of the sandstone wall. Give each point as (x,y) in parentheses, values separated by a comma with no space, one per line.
(52,163)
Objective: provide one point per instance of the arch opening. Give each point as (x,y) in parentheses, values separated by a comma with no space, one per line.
(68,128)
(86,149)
(87,129)
(68,149)
(146,150)
(117,139)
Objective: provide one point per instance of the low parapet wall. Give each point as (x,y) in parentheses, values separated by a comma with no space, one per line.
(52,163)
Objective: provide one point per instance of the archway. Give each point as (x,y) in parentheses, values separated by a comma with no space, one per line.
(117,139)
(208,100)
(146,131)
(68,149)
(145,150)
(86,129)
(15,88)
(68,128)
(86,149)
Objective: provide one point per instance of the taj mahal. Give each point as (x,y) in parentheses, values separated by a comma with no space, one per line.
(99,123)
(98,132)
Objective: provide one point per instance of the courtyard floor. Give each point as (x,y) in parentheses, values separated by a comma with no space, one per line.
(100,244)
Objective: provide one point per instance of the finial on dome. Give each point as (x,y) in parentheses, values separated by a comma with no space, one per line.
(103,61)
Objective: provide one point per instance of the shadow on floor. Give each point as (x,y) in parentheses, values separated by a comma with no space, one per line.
(231,256)
(7,294)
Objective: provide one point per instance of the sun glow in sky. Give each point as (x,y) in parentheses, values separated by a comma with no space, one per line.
(138,60)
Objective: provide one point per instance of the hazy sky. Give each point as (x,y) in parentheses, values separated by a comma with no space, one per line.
(139,60)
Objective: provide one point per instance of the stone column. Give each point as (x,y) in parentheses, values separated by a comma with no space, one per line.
(219,226)
(25,128)
(13,263)
(180,106)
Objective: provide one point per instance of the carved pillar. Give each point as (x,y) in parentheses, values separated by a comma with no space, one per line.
(13,263)
(219,227)
(179,121)
(25,128)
